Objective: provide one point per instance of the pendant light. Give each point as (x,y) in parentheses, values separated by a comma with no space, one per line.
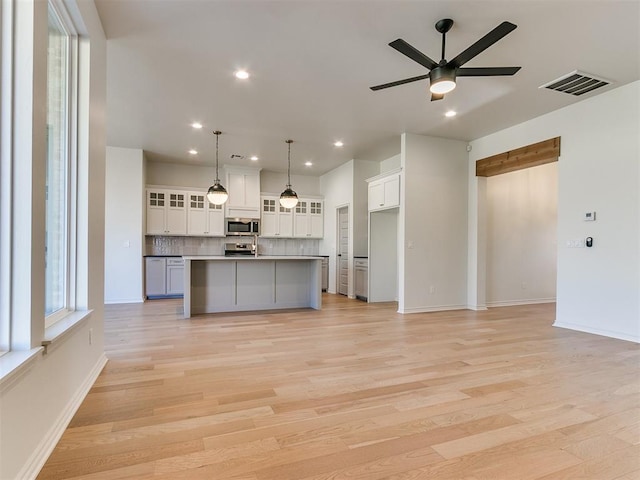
(217,194)
(288,198)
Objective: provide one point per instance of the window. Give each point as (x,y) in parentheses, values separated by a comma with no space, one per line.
(6,31)
(59,245)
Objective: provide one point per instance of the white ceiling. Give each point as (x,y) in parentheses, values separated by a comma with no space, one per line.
(171,62)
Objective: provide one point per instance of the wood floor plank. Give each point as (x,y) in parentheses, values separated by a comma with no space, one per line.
(354,391)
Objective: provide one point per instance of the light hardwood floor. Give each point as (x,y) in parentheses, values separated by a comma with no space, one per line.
(354,391)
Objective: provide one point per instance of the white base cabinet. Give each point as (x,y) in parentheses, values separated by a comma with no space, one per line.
(361,267)
(164,277)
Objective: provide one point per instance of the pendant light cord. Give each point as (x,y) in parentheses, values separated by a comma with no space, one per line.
(289,164)
(217,134)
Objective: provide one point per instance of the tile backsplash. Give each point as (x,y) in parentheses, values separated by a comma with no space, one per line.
(159,245)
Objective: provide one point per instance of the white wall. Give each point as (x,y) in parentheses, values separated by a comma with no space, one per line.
(391,163)
(275,182)
(184,175)
(433,224)
(362,169)
(124,226)
(522,218)
(37,403)
(337,188)
(598,288)
(177,175)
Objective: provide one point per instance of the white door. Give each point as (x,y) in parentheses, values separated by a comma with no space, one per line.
(343,251)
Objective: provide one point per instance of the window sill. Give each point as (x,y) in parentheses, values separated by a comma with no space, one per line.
(57,332)
(14,364)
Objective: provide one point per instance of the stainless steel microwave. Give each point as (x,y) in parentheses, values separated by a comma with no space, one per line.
(242,226)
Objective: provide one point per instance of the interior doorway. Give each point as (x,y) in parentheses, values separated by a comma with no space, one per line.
(342,251)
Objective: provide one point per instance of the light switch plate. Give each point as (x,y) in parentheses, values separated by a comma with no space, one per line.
(590,217)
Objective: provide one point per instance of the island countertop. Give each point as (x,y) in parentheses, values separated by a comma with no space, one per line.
(251,257)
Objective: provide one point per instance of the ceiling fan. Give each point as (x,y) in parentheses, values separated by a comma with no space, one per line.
(442,75)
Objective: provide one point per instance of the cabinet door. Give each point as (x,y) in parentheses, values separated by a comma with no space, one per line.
(269,217)
(175,280)
(376,195)
(236,190)
(176,219)
(392,192)
(285,221)
(155,276)
(215,217)
(361,280)
(316,219)
(197,215)
(301,219)
(156,208)
(252,190)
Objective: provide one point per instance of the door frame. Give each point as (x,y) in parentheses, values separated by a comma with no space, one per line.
(349,293)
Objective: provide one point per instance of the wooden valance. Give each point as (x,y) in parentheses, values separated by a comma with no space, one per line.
(532,155)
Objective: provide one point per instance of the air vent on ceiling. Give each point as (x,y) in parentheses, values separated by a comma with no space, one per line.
(576,83)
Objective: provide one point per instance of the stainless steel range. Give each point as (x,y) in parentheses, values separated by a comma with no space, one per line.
(239,249)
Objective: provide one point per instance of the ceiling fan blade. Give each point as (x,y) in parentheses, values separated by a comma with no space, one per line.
(399,82)
(485,42)
(486,71)
(437,96)
(414,54)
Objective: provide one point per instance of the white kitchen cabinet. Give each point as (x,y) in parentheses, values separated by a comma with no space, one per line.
(175,276)
(325,274)
(361,267)
(155,276)
(204,218)
(164,276)
(243,186)
(384,192)
(166,212)
(308,218)
(276,221)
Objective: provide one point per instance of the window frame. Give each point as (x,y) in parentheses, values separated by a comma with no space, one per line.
(6,95)
(71,159)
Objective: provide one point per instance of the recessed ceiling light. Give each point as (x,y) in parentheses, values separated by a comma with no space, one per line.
(196,125)
(308,164)
(338,144)
(193,152)
(242,74)
(450,113)
(254,158)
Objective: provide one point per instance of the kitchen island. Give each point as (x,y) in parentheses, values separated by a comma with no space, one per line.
(234,284)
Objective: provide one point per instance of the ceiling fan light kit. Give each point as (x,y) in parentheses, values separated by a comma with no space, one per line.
(442,75)
(442,80)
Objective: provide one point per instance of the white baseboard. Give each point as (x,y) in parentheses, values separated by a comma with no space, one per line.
(528,301)
(48,443)
(439,308)
(477,308)
(129,300)
(598,331)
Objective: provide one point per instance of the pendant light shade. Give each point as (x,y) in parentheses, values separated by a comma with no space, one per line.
(217,194)
(288,198)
